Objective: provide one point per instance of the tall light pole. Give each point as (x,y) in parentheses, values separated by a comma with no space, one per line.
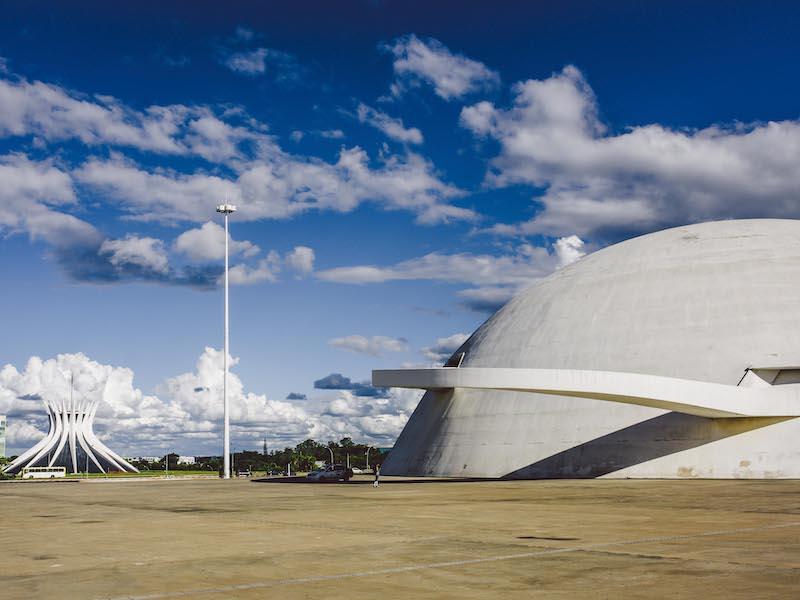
(226,209)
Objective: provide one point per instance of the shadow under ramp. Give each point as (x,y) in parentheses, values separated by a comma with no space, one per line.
(654,438)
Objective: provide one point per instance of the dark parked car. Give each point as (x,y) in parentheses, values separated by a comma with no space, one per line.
(331,473)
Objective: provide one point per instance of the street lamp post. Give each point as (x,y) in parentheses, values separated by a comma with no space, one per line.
(226,209)
(368,449)
(331,451)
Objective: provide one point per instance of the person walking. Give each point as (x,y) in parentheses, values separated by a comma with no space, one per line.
(377,481)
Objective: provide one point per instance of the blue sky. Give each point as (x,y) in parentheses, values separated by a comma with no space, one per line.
(401,170)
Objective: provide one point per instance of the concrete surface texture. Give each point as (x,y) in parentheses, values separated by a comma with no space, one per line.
(496,539)
(702,302)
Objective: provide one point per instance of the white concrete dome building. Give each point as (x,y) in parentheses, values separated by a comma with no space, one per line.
(674,354)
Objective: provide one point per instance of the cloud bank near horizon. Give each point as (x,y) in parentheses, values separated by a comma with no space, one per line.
(185,413)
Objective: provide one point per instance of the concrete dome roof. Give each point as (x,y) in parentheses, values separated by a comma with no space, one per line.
(698,302)
(701,302)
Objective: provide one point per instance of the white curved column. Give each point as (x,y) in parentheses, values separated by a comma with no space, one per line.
(81,436)
(91,438)
(62,433)
(52,435)
(72,415)
(101,448)
(26,456)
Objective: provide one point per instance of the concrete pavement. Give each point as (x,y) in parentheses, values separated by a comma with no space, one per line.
(511,539)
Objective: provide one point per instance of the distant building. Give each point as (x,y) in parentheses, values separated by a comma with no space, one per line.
(186,460)
(2,436)
(206,459)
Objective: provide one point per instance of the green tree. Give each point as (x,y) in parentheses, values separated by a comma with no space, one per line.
(306,462)
(309,447)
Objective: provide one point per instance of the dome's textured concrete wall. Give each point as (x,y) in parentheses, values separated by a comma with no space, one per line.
(699,302)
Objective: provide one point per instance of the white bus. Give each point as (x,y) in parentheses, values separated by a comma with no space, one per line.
(43,472)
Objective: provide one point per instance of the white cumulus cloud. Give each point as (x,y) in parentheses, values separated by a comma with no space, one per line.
(266,269)
(144,252)
(371,418)
(250,62)
(279,188)
(524,266)
(300,260)
(186,412)
(265,180)
(33,198)
(444,347)
(391,127)
(53,113)
(496,278)
(451,75)
(207,243)
(568,250)
(371,346)
(642,178)
(260,61)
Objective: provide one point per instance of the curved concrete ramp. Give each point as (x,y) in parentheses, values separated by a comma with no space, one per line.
(699,398)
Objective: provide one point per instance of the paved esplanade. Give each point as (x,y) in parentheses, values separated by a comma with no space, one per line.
(503,539)
(671,355)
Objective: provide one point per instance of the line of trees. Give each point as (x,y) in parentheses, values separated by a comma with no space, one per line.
(3,462)
(306,455)
(302,457)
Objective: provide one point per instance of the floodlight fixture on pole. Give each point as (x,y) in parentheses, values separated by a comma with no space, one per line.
(226,209)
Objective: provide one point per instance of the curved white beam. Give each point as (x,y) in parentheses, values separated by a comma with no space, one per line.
(52,436)
(62,433)
(101,450)
(73,424)
(41,445)
(100,447)
(700,398)
(83,442)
